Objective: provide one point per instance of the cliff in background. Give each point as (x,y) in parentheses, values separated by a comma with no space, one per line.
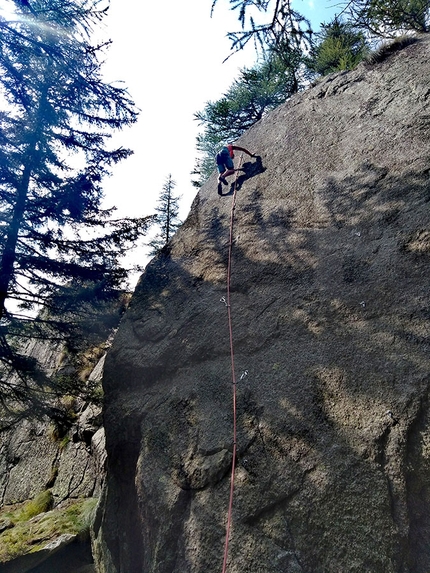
(51,476)
(331,314)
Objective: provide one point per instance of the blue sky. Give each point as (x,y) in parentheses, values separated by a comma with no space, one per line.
(318,10)
(170,56)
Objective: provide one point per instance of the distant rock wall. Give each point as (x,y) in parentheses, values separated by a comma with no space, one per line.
(331,322)
(33,458)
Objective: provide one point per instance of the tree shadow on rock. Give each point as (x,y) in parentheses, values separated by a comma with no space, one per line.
(328,324)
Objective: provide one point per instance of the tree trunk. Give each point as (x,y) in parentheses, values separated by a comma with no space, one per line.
(8,257)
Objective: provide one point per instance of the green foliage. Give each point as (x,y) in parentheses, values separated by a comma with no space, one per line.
(41,503)
(285,27)
(257,90)
(384,50)
(167,216)
(386,18)
(86,313)
(64,442)
(60,250)
(381,18)
(26,536)
(341,47)
(208,144)
(81,334)
(54,155)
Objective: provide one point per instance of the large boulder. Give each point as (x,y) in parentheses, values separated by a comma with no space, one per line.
(330,320)
(67,554)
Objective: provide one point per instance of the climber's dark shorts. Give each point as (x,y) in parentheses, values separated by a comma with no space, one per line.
(224,161)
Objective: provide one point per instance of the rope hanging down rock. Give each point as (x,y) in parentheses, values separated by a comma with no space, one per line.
(228,304)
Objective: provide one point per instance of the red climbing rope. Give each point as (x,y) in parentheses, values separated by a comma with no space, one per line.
(233,463)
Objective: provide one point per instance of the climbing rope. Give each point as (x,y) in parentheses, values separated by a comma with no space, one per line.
(228,304)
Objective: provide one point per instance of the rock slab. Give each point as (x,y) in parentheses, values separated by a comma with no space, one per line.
(331,316)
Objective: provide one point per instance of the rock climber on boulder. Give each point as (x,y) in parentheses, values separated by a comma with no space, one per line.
(224,161)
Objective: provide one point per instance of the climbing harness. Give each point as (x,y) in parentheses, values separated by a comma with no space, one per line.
(226,300)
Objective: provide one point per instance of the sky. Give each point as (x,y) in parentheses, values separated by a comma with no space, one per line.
(170,57)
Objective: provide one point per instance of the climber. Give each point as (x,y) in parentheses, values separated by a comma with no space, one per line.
(224,161)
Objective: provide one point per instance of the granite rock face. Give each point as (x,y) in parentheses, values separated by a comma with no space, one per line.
(34,457)
(331,315)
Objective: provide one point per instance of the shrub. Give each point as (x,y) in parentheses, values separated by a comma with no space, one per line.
(387,48)
(341,47)
(43,502)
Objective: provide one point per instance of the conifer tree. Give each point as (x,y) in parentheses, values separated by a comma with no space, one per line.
(285,27)
(58,245)
(166,217)
(341,47)
(388,18)
(256,91)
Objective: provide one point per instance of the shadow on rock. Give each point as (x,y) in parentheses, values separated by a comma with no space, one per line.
(248,170)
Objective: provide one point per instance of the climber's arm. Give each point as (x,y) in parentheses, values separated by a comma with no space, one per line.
(237,148)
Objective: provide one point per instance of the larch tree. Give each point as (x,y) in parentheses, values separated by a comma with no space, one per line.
(274,23)
(282,37)
(389,18)
(167,216)
(341,46)
(284,28)
(256,91)
(59,248)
